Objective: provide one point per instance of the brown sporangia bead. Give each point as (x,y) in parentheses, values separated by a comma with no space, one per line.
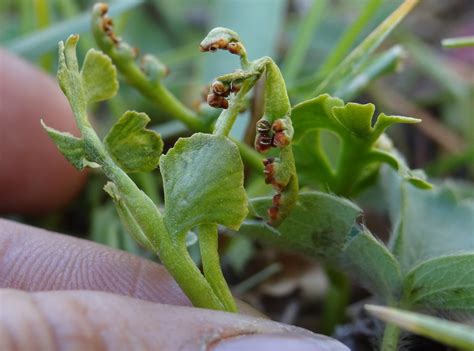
(234,48)
(220,88)
(273,213)
(235,86)
(217,101)
(267,161)
(269,171)
(263,142)
(218,44)
(276,200)
(263,126)
(103,8)
(280,139)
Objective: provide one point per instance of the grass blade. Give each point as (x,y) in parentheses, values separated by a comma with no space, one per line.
(385,63)
(38,43)
(349,37)
(296,54)
(460,42)
(360,54)
(447,332)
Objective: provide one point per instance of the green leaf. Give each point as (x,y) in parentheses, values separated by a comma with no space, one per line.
(133,147)
(446,332)
(444,282)
(318,225)
(99,77)
(203,183)
(384,121)
(96,81)
(375,266)
(363,147)
(431,224)
(68,74)
(315,114)
(71,147)
(356,118)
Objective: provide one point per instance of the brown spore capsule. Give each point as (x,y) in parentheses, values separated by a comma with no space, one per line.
(234,48)
(220,88)
(280,139)
(273,213)
(263,126)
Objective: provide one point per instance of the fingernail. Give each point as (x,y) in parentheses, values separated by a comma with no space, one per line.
(279,342)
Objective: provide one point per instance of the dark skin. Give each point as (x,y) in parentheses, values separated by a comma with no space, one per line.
(58,292)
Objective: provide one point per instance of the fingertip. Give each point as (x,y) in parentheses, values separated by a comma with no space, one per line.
(35,178)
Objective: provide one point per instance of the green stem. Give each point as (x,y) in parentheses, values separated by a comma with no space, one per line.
(163,98)
(145,217)
(159,94)
(156,92)
(227,117)
(208,244)
(390,338)
(350,165)
(336,300)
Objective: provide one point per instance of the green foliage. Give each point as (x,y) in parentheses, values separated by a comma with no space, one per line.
(319,225)
(373,264)
(446,228)
(450,333)
(445,282)
(203,183)
(132,147)
(129,147)
(203,175)
(363,147)
(98,77)
(71,147)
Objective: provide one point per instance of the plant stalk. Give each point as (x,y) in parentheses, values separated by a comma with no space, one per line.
(390,338)
(208,244)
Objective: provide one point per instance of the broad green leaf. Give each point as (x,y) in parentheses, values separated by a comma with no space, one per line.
(319,225)
(363,147)
(430,224)
(133,147)
(373,264)
(71,147)
(445,282)
(447,332)
(99,77)
(356,118)
(203,183)
(96,81)
(315,114)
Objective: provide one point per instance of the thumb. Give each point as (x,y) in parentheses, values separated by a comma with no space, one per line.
(85,320)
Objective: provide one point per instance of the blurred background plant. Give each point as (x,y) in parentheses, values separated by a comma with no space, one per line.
(410,73)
